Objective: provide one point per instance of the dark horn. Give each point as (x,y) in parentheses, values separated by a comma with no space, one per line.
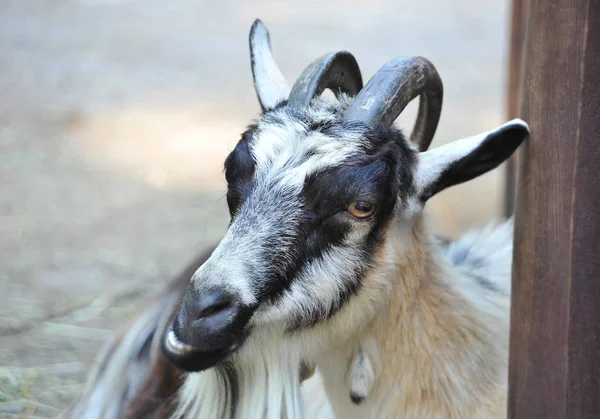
(391,89)
(337,71)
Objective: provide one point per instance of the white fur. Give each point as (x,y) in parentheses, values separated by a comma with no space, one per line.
(489,255)
(269,379)
(225,268)
(280,151)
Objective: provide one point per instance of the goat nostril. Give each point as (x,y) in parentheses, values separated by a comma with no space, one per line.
(210,304)
(214,309)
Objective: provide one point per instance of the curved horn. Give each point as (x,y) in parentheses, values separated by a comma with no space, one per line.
(396,84)
(337,71)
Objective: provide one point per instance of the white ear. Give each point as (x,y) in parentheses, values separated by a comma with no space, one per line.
(271,87)
(465,159)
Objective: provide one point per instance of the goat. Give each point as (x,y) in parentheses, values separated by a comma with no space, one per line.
(329,260)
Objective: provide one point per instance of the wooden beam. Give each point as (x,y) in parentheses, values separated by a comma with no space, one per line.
(554,369)
(518,29)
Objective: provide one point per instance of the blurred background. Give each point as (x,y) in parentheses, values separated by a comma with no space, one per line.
(115,119)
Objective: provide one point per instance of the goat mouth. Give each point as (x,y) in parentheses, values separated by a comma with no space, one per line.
(175,346)
(190,358)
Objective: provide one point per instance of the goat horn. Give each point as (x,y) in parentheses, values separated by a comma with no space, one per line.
(392,88)
(337,71)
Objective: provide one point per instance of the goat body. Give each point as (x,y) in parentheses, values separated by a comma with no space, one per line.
(329,261)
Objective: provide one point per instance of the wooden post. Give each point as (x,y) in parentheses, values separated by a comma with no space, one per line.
(518,28)
(554,369)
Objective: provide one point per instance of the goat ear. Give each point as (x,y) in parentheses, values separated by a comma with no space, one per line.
(271,87)
(465,159)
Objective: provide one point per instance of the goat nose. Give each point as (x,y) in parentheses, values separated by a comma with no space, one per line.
(211,306)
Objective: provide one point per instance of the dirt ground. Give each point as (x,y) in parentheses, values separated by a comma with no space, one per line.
(115,118)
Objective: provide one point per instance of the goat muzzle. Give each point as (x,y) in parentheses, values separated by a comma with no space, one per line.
(207,327)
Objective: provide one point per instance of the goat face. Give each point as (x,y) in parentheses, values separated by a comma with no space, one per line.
(312,197)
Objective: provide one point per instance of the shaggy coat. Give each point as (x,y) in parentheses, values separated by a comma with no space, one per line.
(329,261)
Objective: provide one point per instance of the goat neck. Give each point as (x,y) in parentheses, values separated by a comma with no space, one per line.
(437,347)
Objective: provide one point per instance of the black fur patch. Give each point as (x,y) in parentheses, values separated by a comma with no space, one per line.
(239,170)
(380,175)
(356,399)
(229,379)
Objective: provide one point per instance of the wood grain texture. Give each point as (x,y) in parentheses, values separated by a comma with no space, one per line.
(518,32)
(554,367)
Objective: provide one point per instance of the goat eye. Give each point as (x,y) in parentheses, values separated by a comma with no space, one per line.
(361,209)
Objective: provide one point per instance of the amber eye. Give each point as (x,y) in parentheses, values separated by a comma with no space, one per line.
(361,209)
